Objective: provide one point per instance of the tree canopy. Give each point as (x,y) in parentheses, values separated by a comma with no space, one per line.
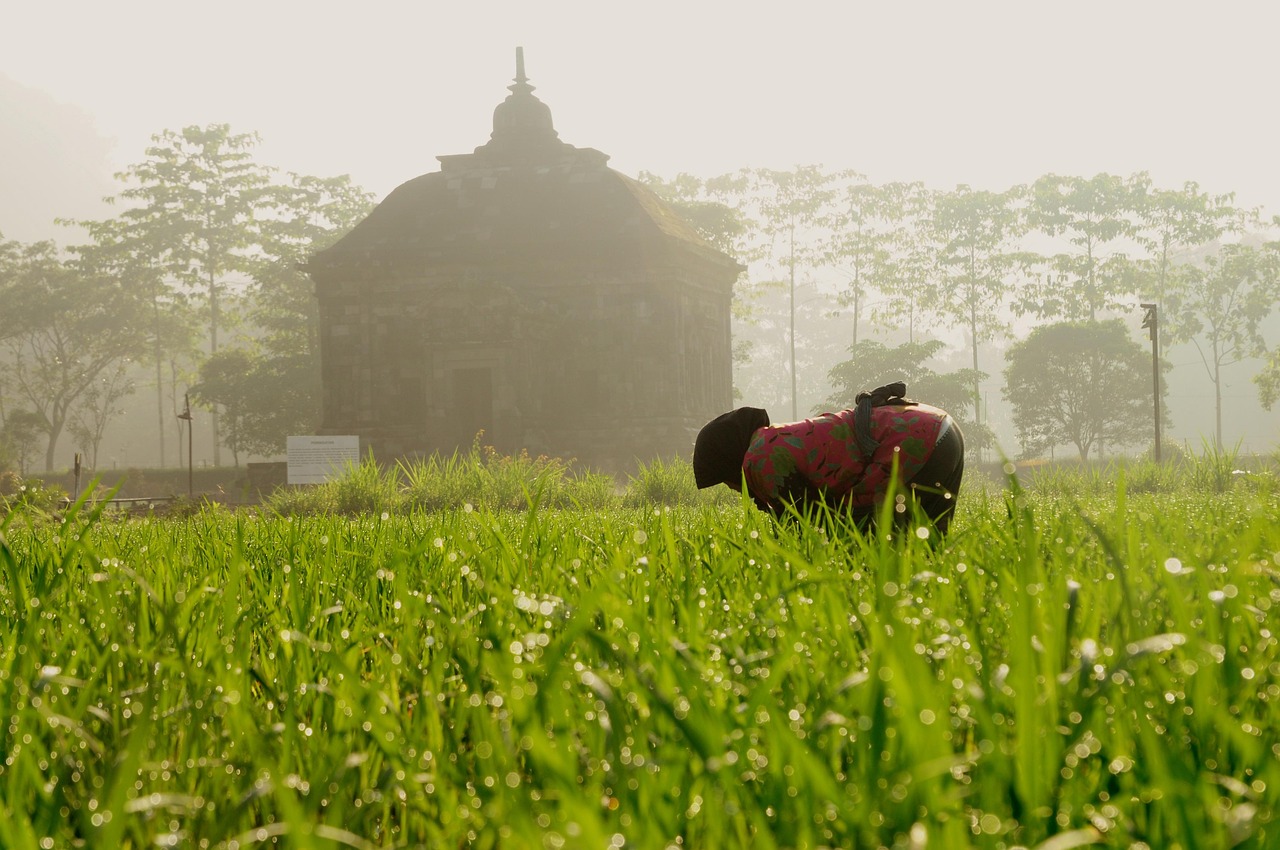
(1079,383)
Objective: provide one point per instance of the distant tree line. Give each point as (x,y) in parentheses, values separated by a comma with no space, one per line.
(196,282)
(1063,255)
(196,279)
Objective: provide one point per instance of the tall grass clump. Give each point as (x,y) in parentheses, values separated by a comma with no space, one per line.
(485,477)
(29,494)
(670,483)
(480,478)
(1214,470)
(1065,669)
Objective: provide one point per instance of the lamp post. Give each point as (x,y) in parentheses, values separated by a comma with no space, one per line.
(1151,321)
(185,415)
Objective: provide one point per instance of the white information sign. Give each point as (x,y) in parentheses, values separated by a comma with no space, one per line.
(314,460)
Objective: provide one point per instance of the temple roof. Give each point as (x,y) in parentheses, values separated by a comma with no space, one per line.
(522,190)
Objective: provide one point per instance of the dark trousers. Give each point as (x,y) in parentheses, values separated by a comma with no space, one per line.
(937,484)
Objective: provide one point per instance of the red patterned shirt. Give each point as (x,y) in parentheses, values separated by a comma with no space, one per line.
(819,460)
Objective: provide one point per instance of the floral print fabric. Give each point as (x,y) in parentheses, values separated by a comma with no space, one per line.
(819,460)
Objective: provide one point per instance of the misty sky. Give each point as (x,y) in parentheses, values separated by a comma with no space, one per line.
(984,93)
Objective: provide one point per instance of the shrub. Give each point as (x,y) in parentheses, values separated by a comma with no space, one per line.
(34,495)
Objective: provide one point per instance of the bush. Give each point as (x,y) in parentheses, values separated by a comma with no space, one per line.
(31,494)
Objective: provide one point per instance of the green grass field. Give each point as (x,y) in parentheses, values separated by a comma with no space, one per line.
(1077,664)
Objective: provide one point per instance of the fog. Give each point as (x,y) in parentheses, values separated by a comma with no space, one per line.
(990,94)
(985,93)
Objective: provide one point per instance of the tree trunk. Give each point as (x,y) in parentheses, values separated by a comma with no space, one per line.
(1217,400)
(55,431)
(977,389)
(213,349)
(857,305)
(160,424)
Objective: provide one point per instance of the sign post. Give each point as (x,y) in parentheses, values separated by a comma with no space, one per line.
(185,415)
(314,460)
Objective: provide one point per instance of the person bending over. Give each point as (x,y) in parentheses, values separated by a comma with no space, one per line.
(844,460)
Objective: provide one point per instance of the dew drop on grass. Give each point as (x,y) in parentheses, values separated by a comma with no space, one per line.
(640,537)
(1174,567)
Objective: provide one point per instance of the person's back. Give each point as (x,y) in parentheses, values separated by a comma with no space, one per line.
(846,459)
(822,454)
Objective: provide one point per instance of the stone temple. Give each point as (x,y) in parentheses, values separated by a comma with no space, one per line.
(530,292)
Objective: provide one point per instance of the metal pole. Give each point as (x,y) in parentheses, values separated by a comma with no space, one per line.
(1151,321)
(186,415)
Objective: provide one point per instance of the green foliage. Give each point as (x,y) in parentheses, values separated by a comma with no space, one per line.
(1096,216)
(670,483)
(874,364)
(30,495)
(870,239)
(1219,303)
(483,477)
(19,437)
(1078,384)
(263,399)
(70,327)
(202,214)
(720,224)
(971,239)
(1065,668)
(1173,220)
(1268,381)
(1213,471)
(480,478)
(283,395)
(1217,469)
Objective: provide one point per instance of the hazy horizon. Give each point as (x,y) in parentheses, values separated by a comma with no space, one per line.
(990,94)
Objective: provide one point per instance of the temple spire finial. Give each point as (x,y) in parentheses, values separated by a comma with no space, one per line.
(520,77)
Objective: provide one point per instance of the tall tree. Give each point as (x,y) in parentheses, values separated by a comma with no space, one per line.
(66,327)
(715,209)
(1173,221)
(1076,383)
(121,247)
(866,240)
(10,260)
(197,201)
(706,205)
(20,433)
(788,206)
(1098,218)
(98,406)
(904,286)
(972,238)
(1219,305)
(227,381)
(282,354)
